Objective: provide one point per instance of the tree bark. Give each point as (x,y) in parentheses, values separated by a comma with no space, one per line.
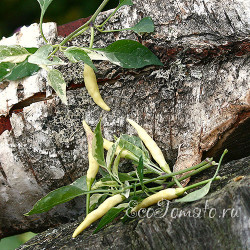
(198,98)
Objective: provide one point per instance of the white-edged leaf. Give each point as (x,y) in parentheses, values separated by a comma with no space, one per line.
(56,81)
(40,57)
(196,195)
(94,199)
(97,146)
(13,53)
(111,154)
(76,54)
(127,191)
(96,55)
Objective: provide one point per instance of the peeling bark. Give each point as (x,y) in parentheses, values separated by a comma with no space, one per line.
(201,93)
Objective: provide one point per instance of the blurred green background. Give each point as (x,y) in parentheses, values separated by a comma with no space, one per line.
(13,242)
(16,13)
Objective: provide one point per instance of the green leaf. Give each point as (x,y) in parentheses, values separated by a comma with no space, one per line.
(122,177)
(126,191)
(76,54)
(125,2)
(59,196)
(94,199)
(196,195)
(5,69)
(44,4)
(139,171)
(103,172)
(56,81)
(146,25)
(13,53)
(128,54)
(31,50)
(40,57)
(111,155)
(136,141)
(97,146)
(22,70)
(108,217)
(133,149)
(116,165)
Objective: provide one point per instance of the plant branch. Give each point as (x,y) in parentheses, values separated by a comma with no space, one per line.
(92,19)
(41,29)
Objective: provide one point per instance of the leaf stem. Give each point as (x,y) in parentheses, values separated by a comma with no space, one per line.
(200,183)
(92,37)
(87,202)
(41,29)
(92,19)
(112,14)
(173,174)
(108,31)
(192,173)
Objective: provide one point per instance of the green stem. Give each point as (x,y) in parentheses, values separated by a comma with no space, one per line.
(54,51)
(173,174)
(41,29)
(186,188)
(198,184)
(199,166)
(177,182)
(152,168)
(192,173)
(220,161)
(157,178)
(80,32)
(87,202)
(101,191)
(92,19)
(92,37)
(133,173)
(109,31)
(112,14)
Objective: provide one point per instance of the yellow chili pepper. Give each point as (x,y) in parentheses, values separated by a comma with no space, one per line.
(124,154)
(151,146)
(92,87)
(93,165)
(99,212)
(167,194)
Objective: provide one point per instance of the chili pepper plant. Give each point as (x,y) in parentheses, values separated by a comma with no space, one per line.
(17,62)
(114,193)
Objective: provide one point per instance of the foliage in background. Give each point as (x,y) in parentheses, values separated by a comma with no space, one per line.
(13,242)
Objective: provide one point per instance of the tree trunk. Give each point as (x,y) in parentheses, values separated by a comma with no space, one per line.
(190,106)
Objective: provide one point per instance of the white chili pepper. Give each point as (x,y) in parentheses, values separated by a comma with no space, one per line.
(99,212)
(167,194)
(151,146)
(93,165)
(92,87)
